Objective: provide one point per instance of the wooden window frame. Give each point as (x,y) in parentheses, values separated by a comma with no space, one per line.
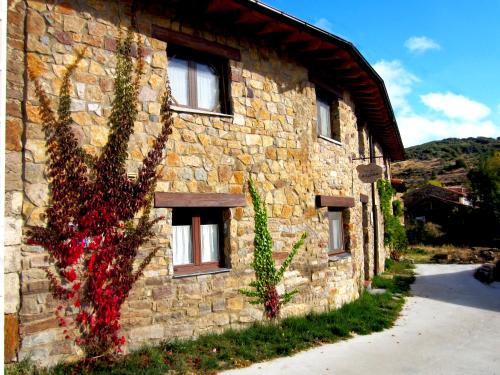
(342,250)
(197,265)
(221,67)
(340,204)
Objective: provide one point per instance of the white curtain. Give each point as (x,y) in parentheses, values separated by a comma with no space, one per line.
(207,87)
(335,219)
(178,76)
(209,243)
(181,244)
(324,124)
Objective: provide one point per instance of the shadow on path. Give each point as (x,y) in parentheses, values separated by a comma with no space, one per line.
(456,284)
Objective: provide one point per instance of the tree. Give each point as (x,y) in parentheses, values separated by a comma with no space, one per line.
(97,217)
(485,186)
(394,231)
(267,276)
(460,163)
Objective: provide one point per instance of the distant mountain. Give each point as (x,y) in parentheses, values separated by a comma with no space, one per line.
(446,161)
(452,148)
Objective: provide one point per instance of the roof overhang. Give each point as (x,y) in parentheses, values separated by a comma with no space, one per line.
(334,60)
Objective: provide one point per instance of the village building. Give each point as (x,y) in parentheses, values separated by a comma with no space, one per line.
(435,204)
(255,91)
(448,209)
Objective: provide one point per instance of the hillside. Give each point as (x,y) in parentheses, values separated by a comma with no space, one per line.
(447,161)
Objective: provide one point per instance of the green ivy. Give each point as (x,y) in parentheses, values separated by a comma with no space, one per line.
(394,232)
(397,208)
(267,276)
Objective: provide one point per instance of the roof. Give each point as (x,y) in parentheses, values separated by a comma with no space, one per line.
(399,184)
(458,189)
(430,191)
(330,59)
(439,199)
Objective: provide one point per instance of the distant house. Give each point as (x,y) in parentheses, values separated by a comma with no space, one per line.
(399,185)
(449,208)
(464,194)
(434,204)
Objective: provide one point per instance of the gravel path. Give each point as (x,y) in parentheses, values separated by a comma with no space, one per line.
(451,325)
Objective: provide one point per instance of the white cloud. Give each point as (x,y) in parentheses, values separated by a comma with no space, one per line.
(398,82)
(416,129)
(452,116)
(456,106)
(421,44)
(324,24)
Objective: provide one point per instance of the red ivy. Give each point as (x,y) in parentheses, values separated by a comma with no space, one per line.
(91,233)
(272,302)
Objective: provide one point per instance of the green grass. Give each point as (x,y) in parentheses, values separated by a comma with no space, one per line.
(402,267)
(418,255)
(211,353)
(397,278)
(397,285)
(24,367)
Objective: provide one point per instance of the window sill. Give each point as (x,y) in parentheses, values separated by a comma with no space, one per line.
(199,111)
(200,273)
(340,256)
(331,140)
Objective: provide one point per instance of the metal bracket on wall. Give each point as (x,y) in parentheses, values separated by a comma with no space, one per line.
(367,157)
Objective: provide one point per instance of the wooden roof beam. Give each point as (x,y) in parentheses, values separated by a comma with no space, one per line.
(275,29)
(221,6)
(251,18)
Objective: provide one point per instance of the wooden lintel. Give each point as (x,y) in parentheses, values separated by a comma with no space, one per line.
(223,200)
(334,201)
(195,42)
(363,198)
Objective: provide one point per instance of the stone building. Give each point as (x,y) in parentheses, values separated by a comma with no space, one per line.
(256,91)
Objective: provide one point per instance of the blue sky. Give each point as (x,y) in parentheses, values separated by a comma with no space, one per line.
(440,59)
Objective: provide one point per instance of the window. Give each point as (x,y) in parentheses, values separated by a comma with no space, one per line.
(361,141)
(336,243)
(324,121)
(198,81)
(339,221)
(328,116)
(197,239)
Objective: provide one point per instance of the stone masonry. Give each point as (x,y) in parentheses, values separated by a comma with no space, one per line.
(271,134)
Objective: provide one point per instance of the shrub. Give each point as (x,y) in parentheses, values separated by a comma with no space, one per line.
(460,163)
(425,233)
(267,276)
(397,208)
(394,232)
(93,232)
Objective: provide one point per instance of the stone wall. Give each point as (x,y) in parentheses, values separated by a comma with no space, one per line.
(272,134)
(14,170)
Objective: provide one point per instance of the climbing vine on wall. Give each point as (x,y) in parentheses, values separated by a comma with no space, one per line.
(394,231)
(97,216)
(267,276)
